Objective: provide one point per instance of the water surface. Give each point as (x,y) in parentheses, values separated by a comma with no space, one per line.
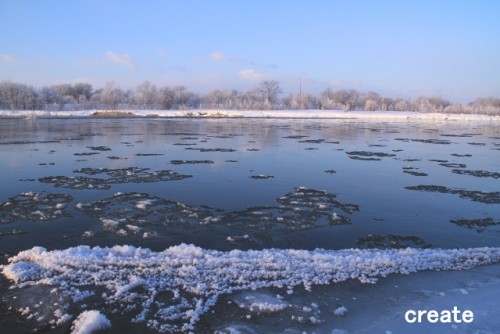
(248,183)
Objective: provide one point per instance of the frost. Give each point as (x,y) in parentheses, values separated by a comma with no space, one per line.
(172,289)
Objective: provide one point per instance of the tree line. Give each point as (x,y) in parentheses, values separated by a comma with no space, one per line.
(267,95)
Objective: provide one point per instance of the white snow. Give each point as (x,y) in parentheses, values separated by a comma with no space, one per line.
(198,277)
(199,113)
(89,322)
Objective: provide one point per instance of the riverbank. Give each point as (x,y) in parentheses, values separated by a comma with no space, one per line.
(210,113)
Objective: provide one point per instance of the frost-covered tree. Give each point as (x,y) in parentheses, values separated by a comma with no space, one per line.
(184,99)
(49,95)
(82,92)
(269,90)
(327,99)
(146,95)
(111,95)
(166,98)
(16,96)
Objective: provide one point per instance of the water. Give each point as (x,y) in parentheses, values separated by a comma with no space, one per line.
(248,184)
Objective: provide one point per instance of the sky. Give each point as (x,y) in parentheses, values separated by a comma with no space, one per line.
(395,48)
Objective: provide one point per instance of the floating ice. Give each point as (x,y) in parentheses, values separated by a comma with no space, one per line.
(392,241)
(187,162)
(34,206)
(261,177)
(301,209)
(116,176)
(99,148)
(474,195)
(477,173)
(479,224)
(169,291)
(340,311)
(366,155)
(134,208)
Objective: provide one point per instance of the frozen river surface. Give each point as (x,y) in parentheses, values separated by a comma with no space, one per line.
(185,192)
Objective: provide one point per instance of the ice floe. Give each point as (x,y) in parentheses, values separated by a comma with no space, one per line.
(479,224)
(34,206)
(116,176)
(125,214)
(492,197)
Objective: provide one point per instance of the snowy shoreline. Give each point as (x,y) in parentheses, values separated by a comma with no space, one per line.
(210,113)
(197,277)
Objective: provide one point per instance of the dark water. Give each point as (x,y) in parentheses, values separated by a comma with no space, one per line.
(248,184)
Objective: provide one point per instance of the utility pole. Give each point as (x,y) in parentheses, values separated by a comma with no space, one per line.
(300,94)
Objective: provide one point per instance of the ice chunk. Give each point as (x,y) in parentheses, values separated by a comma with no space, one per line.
(340,311)
(89,322)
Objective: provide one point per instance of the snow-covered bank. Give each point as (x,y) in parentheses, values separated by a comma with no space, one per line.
(134,281)
(320,114)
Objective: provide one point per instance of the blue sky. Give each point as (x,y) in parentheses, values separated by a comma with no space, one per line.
(396,48)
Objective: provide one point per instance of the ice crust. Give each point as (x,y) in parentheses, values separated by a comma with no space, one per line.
(170,290)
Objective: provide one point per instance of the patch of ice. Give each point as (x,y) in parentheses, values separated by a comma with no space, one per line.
(340,311)
(88,235)
(89,322)
(133,228)
(258,302)
(109,224)
(149,235)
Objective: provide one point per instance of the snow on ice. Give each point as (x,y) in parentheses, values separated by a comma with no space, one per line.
(169,291)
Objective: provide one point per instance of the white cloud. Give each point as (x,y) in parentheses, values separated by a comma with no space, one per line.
(218,56)
(251,74)
(122,59)
(7,58)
